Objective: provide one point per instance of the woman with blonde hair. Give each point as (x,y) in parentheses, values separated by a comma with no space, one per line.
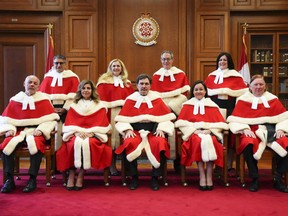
(113,87)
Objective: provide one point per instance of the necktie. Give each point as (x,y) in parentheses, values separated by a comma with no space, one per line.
(167,73)
(141,99)
(57,77)
(28,100)
(255,102)
(219,76)
(199,105)
(118,81)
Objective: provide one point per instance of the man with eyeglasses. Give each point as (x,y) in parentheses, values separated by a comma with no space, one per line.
(61,85)
(173,86)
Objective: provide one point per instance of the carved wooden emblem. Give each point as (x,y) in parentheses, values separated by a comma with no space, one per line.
(145,30)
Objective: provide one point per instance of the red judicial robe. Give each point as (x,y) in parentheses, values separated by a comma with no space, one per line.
(66,91)
(25,119)
(233,84)
(172,92)
(113,97)
(153,145)
(89,117)
(199,147)
(244,117)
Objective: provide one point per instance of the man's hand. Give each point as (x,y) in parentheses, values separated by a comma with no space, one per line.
(9,133)
(37,133)
(249,133)
(279,134)
(159,133)
(129,134)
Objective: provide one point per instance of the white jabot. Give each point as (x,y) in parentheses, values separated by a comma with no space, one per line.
(199,105)
(219,76)
(118,81)
(167,73)
(255,102)
(28,100)
(57,78)
(141,99)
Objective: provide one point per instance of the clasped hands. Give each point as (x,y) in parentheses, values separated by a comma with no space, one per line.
(12,133)
(130,134)
(278,134)
(83,135)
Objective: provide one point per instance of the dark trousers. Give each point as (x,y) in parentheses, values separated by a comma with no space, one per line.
(281,162)
(9,163)
(133,166)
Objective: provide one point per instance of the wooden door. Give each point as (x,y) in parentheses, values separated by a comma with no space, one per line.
(21,54)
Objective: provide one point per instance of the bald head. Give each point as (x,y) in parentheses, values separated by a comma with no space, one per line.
(31,84)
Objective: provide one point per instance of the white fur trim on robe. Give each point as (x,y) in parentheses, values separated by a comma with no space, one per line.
(277,148)
(208,152)
(144,145)
(10,147)
(188,128)
(175,103)
(82,144)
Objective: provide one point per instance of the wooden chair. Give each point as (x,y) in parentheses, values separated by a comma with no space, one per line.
(224,173)
(23,152)
(240,164)
(106,170)
(143,156)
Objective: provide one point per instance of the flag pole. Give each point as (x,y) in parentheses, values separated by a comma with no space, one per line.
(50,53)
(50,26)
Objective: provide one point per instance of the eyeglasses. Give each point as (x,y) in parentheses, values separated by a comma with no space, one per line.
(61,63)
(165,59)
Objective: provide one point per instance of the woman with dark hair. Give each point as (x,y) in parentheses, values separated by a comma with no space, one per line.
(224,85)
(113,88)
(201,123)
(262,121)
(85,136)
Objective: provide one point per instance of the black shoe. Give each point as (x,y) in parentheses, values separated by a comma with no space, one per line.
(202,188)
(8,186)
(154,183)
(78,188)
(210,188)
(280,186)
(134,183)
(31,186)
(254,187)
(70,188)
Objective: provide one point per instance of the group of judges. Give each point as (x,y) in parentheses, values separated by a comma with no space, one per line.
(83,114)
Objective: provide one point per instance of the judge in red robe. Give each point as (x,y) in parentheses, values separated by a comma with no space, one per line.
(171,83)
(224,85)
(85,136)
(262,121)
(29,117)
(60,84)
(143,121)
(201,124)
(113,87)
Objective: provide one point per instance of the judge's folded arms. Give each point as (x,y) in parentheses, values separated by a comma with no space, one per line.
(262,121)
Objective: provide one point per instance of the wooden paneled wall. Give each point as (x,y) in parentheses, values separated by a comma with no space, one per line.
(90,33)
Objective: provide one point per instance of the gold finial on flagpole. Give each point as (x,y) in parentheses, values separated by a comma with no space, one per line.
(50,26)
(245,26)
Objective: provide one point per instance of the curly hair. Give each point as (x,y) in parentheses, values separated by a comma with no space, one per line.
(229,60)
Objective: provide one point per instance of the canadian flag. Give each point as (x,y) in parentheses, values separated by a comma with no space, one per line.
(243,63)
(50,54)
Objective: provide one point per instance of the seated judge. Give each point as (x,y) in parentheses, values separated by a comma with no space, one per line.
(85,136)
(262,121)
(145,121)
(201,124)
(28,117)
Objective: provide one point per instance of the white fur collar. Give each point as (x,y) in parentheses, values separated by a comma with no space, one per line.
(152,95)
(174,70)
(38,96)
(248,97)
(65,73)
(86,108)
(227,73)
(207,102)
